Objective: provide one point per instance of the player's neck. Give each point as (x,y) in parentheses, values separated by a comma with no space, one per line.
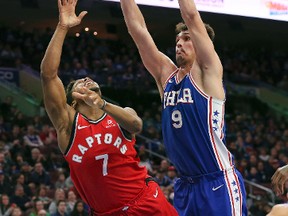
(90,113)
(185,69)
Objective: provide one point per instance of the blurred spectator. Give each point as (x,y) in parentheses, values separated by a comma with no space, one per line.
(42,195)
(79,209)
(39,175)
(43,212)
(26,171)
(253,175)
(61,209)
(69,183)
(60,183)
(5,206)
(5,184)
(5,163)
(19,179)
(263,154)
(17,211)
(162,179)
(48,135)
(38,205)
(59,194)
(71,201)
(38,157)
(21,199)
(17,143)
(31,138)
(20,120)
(172,174)
(164,165)
(144,159)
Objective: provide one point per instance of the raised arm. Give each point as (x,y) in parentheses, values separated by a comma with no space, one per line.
(158,64)
(206,56)
(53,90)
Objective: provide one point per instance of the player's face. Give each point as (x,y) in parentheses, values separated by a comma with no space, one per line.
(88,83)
(184,49)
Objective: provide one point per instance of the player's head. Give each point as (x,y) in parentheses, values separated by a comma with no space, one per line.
(181,27)
(185,53)
(84,82)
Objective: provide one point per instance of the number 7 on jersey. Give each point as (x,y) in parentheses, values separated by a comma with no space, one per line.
(105,163)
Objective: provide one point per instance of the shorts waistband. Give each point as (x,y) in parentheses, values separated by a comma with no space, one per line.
(206,177)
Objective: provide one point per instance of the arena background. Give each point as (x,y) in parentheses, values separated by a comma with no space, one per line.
(253,101)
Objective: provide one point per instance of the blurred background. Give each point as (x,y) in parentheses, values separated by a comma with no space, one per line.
(252,45)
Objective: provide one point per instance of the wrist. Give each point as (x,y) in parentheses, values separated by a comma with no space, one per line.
(64,27)
(103,105)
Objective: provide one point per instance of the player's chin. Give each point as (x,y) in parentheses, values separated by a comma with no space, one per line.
(180,60)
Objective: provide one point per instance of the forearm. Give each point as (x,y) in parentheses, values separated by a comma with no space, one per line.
(130,122)
(188,9)
(132,15)
(52,57)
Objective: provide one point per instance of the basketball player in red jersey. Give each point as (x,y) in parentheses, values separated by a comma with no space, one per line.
(97,138)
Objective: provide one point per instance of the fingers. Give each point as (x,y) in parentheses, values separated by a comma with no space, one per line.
(89,97)
(82,14)
(278,182)
(64,2)
(59,4)
(78,95)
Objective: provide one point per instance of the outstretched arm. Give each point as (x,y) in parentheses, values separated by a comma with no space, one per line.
(53,90)
(206,56)
(158,64)
(279,179)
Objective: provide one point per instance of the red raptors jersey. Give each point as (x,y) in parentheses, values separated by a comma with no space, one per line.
(103,164)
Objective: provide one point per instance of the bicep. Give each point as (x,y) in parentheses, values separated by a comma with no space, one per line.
(55,100)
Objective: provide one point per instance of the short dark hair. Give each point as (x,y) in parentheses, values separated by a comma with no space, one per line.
(68,90)
(182,27)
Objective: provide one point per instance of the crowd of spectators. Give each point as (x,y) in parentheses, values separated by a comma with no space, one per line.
(117,64)
(34,178)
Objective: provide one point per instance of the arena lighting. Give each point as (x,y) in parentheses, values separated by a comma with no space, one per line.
(77,34)
(95,33)
(266,9)
(86,29)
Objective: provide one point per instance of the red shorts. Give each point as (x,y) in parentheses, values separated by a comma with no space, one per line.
(150,201)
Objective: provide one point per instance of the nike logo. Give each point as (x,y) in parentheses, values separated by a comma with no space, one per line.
(156,194)
(216,188)
(82,127)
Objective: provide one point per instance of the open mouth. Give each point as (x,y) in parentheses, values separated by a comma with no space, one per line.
(95,89)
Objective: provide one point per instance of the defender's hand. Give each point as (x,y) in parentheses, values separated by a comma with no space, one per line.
(279,179)
(67,16)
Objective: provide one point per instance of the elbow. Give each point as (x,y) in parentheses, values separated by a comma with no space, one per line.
(136,30)
(137,126)
(189,16)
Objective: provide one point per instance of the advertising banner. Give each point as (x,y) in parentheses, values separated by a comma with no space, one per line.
(9,74)
(266,9)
